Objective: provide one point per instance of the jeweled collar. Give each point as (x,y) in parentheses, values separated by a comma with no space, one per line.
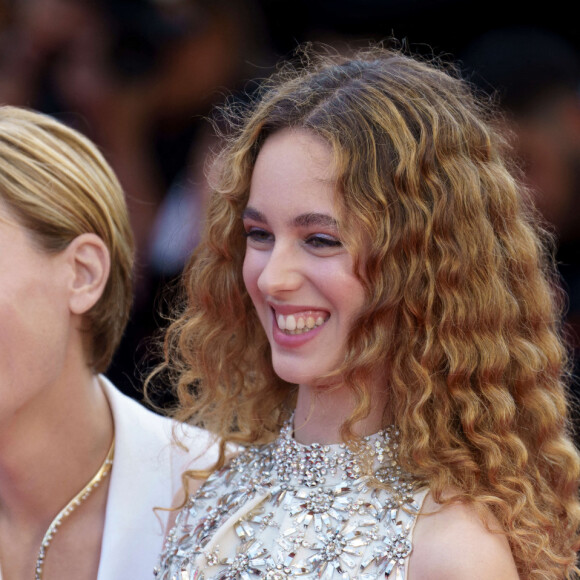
(315,464)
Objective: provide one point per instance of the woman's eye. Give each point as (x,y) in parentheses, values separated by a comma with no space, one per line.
(323,241)
(258,235)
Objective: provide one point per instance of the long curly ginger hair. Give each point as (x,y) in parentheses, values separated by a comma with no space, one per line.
(462,313)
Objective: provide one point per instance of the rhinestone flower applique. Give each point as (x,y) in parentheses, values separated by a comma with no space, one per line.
(287,510)
(324,508)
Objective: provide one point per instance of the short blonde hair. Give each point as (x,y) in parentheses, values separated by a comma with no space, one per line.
(59,186)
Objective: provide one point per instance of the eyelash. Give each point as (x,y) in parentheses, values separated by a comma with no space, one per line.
(316,241)
(257,235)
(319,241)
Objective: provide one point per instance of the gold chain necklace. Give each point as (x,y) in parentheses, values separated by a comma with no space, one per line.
(71,506)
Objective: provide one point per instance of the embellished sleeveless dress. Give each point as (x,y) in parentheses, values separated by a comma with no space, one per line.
(286,510)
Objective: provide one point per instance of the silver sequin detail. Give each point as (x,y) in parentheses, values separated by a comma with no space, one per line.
(314,512)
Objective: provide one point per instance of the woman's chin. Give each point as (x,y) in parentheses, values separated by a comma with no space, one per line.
(291,375)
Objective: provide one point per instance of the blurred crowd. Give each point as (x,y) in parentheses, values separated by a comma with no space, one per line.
(141,77)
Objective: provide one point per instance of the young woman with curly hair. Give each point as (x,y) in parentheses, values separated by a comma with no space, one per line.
(372,314)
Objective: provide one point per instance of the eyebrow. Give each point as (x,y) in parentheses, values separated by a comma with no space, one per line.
(302,220)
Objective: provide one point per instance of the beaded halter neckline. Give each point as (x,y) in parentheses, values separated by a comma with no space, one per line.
(316,464)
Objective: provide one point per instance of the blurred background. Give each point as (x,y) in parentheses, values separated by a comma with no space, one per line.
(140,78)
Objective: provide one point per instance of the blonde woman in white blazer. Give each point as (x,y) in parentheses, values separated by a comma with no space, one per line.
(82,467)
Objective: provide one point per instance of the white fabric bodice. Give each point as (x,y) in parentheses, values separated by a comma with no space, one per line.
(286,510)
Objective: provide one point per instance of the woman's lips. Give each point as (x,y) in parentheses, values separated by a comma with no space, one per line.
(300,322)
(295,328)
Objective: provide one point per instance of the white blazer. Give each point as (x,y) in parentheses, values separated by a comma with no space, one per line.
(146,474)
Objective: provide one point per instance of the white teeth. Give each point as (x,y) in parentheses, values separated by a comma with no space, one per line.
(293,324)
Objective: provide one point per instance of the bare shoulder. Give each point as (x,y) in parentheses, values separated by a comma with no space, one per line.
(453,543)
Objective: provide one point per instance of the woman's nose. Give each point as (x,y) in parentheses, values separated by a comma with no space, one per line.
(281,272)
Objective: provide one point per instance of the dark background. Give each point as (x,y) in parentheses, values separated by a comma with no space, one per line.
(140,78)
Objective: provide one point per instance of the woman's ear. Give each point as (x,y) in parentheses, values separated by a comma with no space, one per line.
(89,257)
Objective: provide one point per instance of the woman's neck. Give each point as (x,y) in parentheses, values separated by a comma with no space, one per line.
(51,448)
(320,414)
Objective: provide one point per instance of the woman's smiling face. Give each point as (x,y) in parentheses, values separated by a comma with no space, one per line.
(297,271)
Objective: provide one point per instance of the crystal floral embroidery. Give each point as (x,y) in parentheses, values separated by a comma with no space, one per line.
(250,558)
(288,510)
(335,554)
(323,507)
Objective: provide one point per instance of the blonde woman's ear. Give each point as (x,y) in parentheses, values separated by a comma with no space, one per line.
(89,257)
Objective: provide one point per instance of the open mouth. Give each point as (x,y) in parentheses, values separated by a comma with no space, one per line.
(301,322)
